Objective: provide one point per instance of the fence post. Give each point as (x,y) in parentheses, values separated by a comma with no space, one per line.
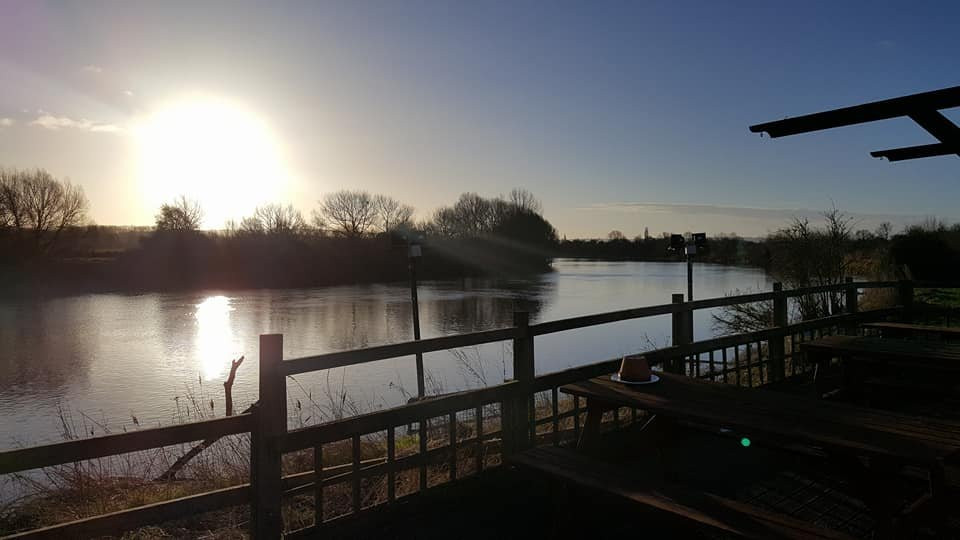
(519,409)
(851,305)
(680,330)
(270,426)
(778,343)
(906,299)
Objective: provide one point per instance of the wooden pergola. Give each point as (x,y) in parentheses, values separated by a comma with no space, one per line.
(923,108)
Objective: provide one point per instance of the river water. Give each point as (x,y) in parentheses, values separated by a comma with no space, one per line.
(106,362)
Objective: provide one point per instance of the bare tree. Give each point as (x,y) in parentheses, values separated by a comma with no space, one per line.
(524,201)
(13,213)
(391,213)
(473,214)
(181,215)
(34,203)
(616,235)
(274,219)
(349,213)
(802,255)
(883,230)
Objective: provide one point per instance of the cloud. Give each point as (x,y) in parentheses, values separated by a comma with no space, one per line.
(91,68)
(762,214)
(55,123)
(6,122)
(128,93)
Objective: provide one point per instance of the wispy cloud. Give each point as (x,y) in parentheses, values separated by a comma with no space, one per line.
(92,68)
(7,122)
(773,215)
(128,93)
(54,123)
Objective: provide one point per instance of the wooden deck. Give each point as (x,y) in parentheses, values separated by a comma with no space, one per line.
(510,502)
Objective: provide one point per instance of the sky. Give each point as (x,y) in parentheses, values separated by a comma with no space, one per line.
(617,115)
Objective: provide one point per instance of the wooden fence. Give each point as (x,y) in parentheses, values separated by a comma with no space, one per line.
(516,414)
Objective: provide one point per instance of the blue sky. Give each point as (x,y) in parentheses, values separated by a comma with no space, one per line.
(618,115)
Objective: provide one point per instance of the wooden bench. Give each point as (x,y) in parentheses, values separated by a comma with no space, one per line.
(734,517)
(905,330)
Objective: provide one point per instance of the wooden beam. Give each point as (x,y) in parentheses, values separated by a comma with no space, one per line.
(121,443)
(372,354)
(859,114)
(939,126)
(914,152)
(378,421)
(132,518)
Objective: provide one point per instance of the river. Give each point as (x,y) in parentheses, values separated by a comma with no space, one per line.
(107,362)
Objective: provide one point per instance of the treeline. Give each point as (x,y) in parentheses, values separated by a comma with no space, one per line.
(46,242)
(723,249)
(350,237)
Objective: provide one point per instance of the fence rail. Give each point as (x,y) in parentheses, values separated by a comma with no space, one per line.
(455,432)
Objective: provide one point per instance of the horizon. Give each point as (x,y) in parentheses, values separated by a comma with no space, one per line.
(617,117)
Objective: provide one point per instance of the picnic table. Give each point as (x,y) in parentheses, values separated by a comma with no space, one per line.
(907,330)
(842,433)
(861,356)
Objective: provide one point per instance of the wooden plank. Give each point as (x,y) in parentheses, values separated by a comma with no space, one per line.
(391,457)
(907,328)
(717,512)
(479,448)
(355,491)
(931,354)
(266,468)
(761,413)
(121,443)
(602,318)
(383,352)
(423,437)
(125,520)
(452,426)
(307,437)
(555,409)
(803,291)
(318,491)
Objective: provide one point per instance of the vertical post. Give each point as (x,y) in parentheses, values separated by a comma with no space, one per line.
(778,343)
(270,426)
(690,294)
(517,413)
(851,305)
(680,338)
(906,299)
(421,391)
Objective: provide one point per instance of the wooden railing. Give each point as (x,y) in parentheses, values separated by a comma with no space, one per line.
(474,424)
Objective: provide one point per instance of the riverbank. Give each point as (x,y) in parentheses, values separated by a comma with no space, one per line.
(200,262)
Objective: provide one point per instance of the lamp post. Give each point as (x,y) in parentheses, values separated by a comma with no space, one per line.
(413,253)
(689,247)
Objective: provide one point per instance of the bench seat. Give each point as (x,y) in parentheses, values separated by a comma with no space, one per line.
(734,517)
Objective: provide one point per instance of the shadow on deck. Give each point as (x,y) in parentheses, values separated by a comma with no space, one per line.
(511,503)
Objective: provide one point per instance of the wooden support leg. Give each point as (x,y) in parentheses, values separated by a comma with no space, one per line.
(590,434)
(822,363)
(939,500)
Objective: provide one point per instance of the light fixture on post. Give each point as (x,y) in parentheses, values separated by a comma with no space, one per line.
(696,242)
(414,252)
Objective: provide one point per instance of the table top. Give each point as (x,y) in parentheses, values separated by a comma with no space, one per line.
(948,330)
(884,349)
(780,419)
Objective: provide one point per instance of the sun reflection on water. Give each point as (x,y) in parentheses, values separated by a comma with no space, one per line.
(216,344)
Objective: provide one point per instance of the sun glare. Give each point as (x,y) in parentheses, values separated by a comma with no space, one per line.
(216,344)
(212,151)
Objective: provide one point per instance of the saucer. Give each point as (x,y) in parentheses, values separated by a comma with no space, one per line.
(616,378)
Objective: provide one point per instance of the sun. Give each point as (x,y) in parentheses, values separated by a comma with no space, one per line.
(213,151)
